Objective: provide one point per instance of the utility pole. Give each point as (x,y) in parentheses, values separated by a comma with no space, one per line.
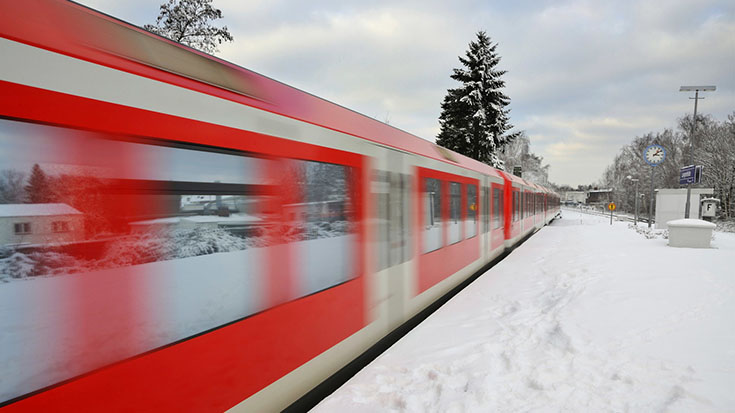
(635,215)
(650,201)
(696,97)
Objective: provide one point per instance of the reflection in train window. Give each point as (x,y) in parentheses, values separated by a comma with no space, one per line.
(498,210)
(391,195)
(432,230)
(326,244)
(516,205)
(471,217)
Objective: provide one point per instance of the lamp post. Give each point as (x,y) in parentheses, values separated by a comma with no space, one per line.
(696,97)
(635,216)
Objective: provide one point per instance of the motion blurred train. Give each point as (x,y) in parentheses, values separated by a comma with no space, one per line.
(182,234)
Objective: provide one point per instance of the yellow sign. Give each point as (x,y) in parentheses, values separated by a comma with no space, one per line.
(611,206)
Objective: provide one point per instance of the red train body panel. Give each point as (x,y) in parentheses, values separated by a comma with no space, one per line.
(220,240)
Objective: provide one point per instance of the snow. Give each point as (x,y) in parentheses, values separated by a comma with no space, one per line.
(691,223)
(238,218)
(585,316)
(36,210)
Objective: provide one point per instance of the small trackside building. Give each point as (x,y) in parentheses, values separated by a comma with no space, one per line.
(33,224)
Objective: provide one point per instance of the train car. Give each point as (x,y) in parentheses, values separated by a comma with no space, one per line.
(227,241)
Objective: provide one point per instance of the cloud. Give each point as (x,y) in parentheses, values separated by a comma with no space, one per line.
(584,77)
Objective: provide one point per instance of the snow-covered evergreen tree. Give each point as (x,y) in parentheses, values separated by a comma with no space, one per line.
(39,189)
(474,119)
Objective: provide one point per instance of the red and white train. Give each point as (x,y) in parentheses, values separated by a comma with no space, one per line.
(182,234)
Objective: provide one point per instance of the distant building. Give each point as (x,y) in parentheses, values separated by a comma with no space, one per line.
(599,196)
(575,197)
(24,224)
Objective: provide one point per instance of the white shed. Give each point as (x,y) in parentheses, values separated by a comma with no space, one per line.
(671,204)
(24,224)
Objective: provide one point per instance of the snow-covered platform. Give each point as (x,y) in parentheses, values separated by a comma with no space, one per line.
(583,317)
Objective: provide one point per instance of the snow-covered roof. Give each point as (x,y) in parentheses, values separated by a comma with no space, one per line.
(36,210)
(691,223)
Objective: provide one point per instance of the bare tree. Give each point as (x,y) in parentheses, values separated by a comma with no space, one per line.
(715,151)
(713,147)
(12,189)
(518,153)
(189,22)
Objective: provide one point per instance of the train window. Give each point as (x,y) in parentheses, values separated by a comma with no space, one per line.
(516,205)
(432,233)
(541,206)
(530,202)
(539,203)
(485,209)
(498,208)
(521,206)
(471,217)
(327,238)
(133,244)
(455,212)
(144,239)
(381,192)
(391,195)
(400,218)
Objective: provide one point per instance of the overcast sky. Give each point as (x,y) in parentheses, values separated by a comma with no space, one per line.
(584,77)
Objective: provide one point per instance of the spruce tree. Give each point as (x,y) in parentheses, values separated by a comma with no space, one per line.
(474,118)
(38,190)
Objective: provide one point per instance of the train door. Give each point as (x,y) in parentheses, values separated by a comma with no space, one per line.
(391,189)
(497,213)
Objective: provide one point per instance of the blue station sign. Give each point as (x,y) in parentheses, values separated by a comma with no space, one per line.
(690,175)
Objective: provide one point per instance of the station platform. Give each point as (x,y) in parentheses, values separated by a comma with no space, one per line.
(584,316)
